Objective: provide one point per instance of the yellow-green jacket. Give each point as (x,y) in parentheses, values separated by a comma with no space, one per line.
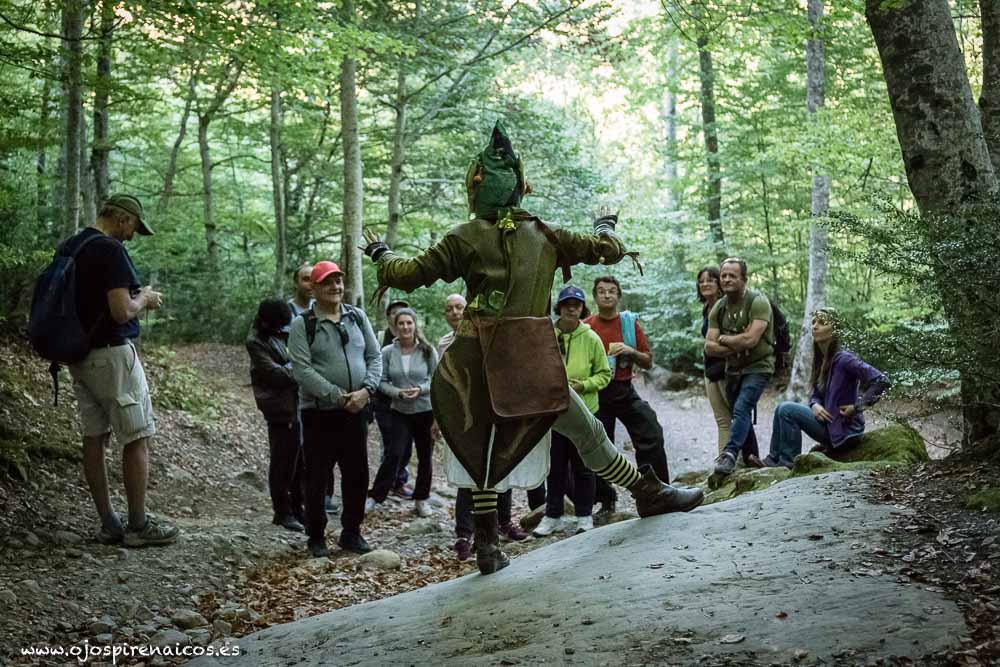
(585,360)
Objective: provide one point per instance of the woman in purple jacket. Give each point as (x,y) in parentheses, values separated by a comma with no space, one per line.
(835,415)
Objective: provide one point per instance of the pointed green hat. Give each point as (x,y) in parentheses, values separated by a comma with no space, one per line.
(495,179)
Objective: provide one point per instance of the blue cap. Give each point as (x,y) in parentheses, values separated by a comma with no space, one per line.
(571,292)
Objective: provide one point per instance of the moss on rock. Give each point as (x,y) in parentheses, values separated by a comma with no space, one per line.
(898,443)
(985,499)
(814,463)
(743,481)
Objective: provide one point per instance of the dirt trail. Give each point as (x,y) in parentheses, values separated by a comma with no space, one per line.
(231,572)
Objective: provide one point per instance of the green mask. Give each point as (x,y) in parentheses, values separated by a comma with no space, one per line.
(495,179)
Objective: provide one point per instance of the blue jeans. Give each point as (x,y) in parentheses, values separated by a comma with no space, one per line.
(790,421)
(751,387)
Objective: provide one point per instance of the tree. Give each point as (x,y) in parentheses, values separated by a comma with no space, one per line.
(951,176)
(102,91)
(278,192)
(72,30)
(820,200)
(351,255)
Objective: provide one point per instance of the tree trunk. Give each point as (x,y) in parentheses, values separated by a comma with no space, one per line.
(72,27)
(989,97)
(798,386)
(168,179)
(102,91)
(41,189)
(948,167)
(713,184)
(670,130)
(397,159)
(88,201)
(278,192)
(211,243)
(353,175)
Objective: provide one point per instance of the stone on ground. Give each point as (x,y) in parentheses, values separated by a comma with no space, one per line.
(382,559)
(660,590)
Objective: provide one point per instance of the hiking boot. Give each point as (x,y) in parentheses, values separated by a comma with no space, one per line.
(354,543)
(725,464)
(753,461)
(511,533)
(318,549)
(422,508)
(653,497)
(584,523)
(771,462)
(489,558)
(153,534)
(288,522)
(463,548)
(109,536)
(547,526)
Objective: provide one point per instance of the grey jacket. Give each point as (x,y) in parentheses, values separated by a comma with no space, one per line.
(395,378)
(327,370)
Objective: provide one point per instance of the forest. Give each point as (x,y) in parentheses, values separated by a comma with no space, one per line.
(794,134)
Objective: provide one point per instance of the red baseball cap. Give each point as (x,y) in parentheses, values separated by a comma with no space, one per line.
(322,271)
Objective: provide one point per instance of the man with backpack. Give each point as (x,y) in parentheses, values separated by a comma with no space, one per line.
(626,346)
(741,328)
(337,363)
(108,379)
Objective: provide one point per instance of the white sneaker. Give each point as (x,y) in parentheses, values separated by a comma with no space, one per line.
(422,508)
(370,505)
(547,526)
(567,525)
(584,523)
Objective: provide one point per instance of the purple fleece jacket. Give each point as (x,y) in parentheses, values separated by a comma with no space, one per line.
(847,374)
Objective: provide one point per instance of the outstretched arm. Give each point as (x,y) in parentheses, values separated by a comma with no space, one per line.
(439,262)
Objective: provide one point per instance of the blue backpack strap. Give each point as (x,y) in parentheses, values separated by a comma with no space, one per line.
(628,319)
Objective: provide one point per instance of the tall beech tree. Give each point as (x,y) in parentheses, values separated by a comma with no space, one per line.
(951,176)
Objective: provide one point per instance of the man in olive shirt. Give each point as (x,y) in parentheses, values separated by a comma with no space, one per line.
(741,329)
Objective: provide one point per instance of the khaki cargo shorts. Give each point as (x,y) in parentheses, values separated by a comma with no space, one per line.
(112,393)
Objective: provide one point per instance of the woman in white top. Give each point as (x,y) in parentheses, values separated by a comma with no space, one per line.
(408,364)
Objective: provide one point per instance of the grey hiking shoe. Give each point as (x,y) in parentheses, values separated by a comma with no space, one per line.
(725,464)
(153,534)
(110,536)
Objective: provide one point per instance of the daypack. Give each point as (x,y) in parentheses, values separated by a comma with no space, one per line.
(54,327)
(311,321)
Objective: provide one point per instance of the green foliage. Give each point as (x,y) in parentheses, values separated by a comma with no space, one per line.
(175,386)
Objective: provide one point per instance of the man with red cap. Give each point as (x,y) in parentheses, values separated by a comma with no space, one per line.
(337,362)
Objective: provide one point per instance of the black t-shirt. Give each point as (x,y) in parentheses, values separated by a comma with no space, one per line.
(103,265)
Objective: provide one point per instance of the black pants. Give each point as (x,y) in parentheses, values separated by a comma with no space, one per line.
(463,511)
(384,419)
(407,429)
(284,470)
(335,437)
(580,487)
(536,497)
(619,401)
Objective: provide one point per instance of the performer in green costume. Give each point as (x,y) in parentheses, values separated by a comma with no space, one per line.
(502,385)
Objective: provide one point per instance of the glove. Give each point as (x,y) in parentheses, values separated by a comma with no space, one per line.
(606,224)
(376,247)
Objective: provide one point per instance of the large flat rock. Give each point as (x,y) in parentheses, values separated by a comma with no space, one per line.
(789,569)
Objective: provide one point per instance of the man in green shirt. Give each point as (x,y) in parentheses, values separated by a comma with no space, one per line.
(741,329)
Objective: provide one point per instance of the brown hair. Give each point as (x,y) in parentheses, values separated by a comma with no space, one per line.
(739,262)
(712,271)
(418,334)
(606,279)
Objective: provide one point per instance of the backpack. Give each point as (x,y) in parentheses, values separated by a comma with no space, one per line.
(311,321)
(54,327)
(782,339)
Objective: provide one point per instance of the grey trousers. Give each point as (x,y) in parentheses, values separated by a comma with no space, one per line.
(579,425)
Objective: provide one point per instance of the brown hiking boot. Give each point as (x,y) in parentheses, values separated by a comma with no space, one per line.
(489,557)
(653,497)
